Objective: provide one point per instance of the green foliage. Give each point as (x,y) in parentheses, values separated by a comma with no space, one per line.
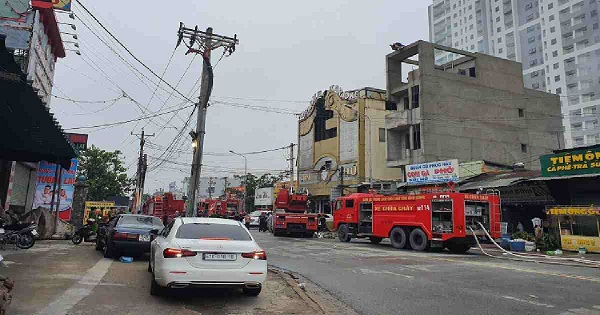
(254,182)
(104,173)
(550,241)
(524,235)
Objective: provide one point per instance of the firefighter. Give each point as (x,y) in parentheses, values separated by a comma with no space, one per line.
(262,222)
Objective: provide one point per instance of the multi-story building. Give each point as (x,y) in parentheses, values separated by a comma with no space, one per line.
(475,107)
(341,141)
(557,41)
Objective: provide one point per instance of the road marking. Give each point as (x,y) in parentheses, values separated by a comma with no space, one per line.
(79,290)
(527,301)
(386,272)
(582,311)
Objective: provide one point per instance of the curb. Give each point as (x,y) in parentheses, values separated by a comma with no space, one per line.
(291,281)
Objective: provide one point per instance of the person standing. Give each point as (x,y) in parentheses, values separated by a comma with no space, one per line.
(262,222)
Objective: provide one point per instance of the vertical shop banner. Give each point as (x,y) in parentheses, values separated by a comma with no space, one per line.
(45,185)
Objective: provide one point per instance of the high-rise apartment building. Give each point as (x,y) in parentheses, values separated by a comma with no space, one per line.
(557,41)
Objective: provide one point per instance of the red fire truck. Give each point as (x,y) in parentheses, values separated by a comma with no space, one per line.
(291,216)
(165,204)
(418,221)
(229,206)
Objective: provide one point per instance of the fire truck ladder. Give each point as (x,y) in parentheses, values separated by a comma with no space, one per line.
(158,206)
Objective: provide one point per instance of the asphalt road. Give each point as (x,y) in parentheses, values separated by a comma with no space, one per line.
(378,279)
(57,277)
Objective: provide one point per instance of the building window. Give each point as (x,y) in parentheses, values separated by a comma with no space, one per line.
(553,41)
(499,40)
(391,106)
(523,148)
(552,29)
(415,96)
(498,19)
(521,112)
(417,137)
(381,134)
(499,29)
(556,78)
(555,53)
(531,39)
(472,73)
(499,50)
(555,66)
(550,6)
(497,9)
(529,6)
(558,91)
(551,18)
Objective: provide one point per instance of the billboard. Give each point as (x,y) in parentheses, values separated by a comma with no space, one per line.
(575,162)
(263,196)
(433,172)
(64,5)
(45,189)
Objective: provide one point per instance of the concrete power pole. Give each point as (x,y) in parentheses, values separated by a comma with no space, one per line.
(141,171)
(205,42)
(291,159)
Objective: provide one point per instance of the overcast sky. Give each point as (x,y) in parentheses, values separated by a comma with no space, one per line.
(288,51)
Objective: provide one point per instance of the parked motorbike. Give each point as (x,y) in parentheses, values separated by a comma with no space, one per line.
(85,233)
(21,234)
(6,286)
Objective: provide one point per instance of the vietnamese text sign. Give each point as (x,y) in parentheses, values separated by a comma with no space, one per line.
(263,196)
(574,162)
(45,185)
(434,172)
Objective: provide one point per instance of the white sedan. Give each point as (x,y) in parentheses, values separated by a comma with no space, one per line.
(206,252)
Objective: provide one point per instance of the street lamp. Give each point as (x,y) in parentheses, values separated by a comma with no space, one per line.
(369,148)
(245,176)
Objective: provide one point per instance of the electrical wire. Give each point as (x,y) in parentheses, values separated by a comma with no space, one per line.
(131,53)
(129,120)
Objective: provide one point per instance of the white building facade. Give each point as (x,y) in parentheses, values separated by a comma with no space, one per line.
(557,41)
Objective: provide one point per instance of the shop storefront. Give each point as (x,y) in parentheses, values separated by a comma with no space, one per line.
(579,227)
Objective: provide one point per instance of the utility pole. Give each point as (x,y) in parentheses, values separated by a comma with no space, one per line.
(141,171)
(204,42)
(291,159)
(210,187)
(225,184)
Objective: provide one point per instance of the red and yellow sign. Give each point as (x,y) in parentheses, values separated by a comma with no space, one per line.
(573,242)
(574,210)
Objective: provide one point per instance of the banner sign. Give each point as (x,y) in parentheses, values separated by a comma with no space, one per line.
(78,140)
(64,5)
(64,193)
(574,210)
(574,162)
(434,172)
(263,196)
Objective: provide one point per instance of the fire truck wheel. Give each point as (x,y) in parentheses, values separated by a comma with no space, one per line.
(375,240)
(398,237)
(343,233)
(418,240)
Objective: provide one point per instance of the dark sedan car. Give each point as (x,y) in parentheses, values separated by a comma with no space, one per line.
(129,234)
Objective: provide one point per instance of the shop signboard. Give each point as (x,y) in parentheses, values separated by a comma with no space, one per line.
(45,186)
(263,196)
(433,172)
(64,5)
(575,162)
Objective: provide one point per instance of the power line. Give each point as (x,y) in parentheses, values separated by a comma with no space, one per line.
(129,120)
(131,53)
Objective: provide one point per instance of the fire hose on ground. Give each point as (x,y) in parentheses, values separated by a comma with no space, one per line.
(538,258)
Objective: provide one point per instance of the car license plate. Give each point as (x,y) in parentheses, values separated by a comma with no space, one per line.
(34,232)
(144,238)
(217,257)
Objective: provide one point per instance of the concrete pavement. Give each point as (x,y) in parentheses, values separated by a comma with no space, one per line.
(57,277)
(377,279)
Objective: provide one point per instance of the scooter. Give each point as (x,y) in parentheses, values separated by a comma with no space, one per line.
(85,233)
(6,286)
(21,234)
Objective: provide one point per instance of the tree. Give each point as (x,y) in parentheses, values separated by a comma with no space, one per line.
(254,182)
(104,173)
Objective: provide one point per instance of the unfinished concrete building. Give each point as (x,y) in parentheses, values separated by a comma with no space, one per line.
(472,108)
